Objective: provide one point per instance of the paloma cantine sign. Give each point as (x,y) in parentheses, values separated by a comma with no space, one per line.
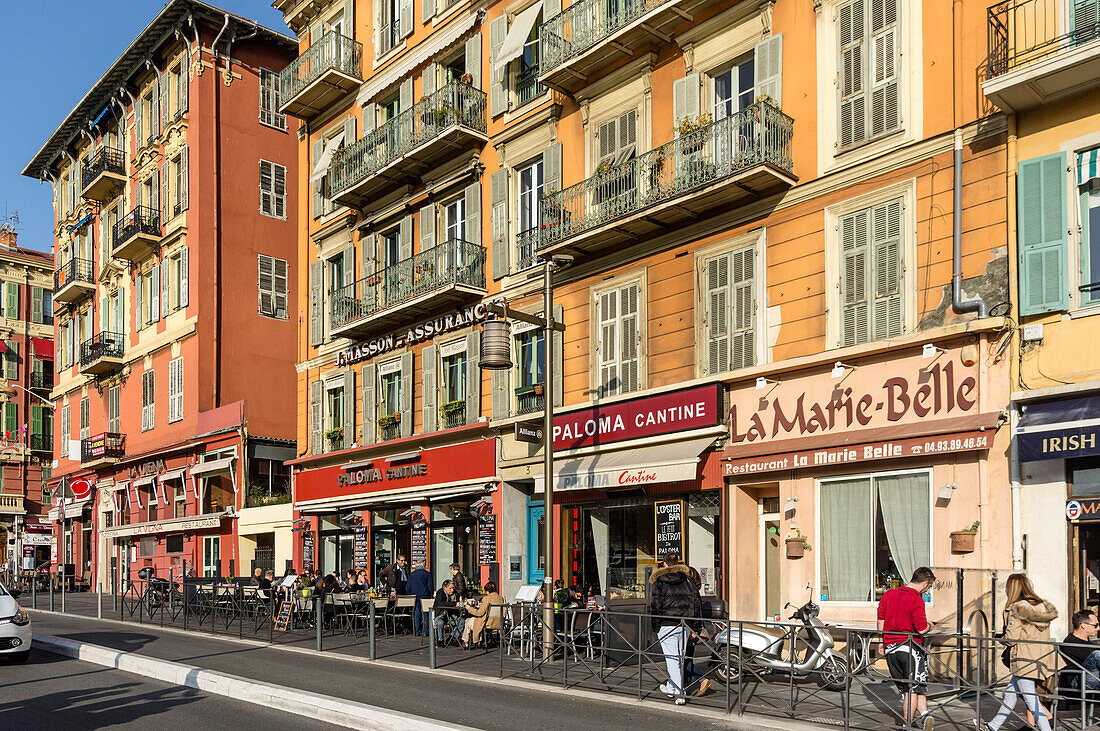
(877,395)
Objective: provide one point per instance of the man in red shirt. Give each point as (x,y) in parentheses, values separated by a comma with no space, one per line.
(901,621)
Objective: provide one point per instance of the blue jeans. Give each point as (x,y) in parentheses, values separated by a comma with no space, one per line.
(420,618)
(1026,688)
(1091,667)
(674,639)
(440,621)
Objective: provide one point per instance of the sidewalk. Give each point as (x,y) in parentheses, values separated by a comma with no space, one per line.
(458,697)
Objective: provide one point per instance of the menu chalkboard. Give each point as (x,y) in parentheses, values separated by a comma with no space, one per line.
(361,550)
(307,551)
(486,540)
(282,619)
(419,547)
(669,518)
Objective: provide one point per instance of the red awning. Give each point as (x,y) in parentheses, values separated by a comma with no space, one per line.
(42,348)
(3,346)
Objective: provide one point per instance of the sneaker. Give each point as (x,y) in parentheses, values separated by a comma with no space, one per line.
(681,701)
(928,721)
(664,689)
(704,686)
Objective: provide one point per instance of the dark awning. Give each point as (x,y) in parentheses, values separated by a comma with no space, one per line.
(1059,429)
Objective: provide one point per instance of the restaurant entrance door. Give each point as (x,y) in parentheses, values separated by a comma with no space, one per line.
(388,542)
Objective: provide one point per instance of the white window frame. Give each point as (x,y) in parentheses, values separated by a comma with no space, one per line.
(66,429)
(819,536)
(639,278)
(335,384)
(457,206)
(1075,243)
(275,292)
(269,85)
(385,369)
(175,390)
(764,339)
(148,410)
(272,198)
(450,350)
(906,190)
(114,415)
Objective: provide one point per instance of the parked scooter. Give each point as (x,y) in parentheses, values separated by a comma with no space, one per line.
(779,649)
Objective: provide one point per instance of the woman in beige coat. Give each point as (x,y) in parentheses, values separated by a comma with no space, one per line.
(483,616)
(1032,658)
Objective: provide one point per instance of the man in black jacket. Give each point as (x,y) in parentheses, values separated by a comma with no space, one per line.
(673,604)
(394,577)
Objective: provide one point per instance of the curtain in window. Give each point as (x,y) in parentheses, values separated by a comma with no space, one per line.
(846,539)
(903,500)
(598,520)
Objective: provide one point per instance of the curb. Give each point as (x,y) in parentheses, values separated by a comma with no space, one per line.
(742,723)
(349,714)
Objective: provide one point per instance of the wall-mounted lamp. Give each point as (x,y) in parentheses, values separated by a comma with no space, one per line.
(946,492)
(762,383)
(839,369)
(931,351)
(790,505)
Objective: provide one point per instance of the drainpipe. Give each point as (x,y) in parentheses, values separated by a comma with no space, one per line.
(217,223)
(1013,290)
(214,45)
(957,304)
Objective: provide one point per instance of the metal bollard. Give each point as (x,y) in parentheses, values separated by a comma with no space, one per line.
(431,638)
(318,601)
(114,589)
(61,573)
(51,595)
(34,592)
(171,592)
(99,601)
(372,652)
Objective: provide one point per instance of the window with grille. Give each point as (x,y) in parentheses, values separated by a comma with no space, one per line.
(730,315)
(871,271)
(269,100)
(175,389)
(85,418)
(868,62)
(148,403)
(272,286)
(618,339)
(272,189)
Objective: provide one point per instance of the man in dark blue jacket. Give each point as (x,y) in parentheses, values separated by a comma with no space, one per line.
(421,586)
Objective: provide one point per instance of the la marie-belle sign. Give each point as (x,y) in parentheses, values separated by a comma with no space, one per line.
(458,319)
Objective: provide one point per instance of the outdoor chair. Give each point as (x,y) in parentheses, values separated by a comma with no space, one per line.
(382,610)
(342,613)
(402,613)
(1071,696)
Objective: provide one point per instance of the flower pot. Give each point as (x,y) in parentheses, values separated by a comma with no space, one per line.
(962,541)
(796,548)
(538,389)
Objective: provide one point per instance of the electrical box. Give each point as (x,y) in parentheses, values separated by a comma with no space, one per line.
(1033,331)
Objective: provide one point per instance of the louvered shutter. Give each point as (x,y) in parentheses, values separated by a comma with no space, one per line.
(370,406)
(558,343)
(607,347)
(349,409)
(279,195)
(104,314)
(11,420)
(184,277)
(427,227)
(473,59)
(139,140)
(885,114)
(855,317)
(154,110)
(743,301)
(406,243)
(473,377)
(472,197)
(139,320)
(280,283)
(265,285)
(716,274)
(370,117)
(685,98)
(887,301)
(429,388)
(119,313)
(266,204)
(629,333)
(113,409)
(551,171)
(367,261)
(500,392)
(853,110)
(498,79)
(154,298)
(608,141)
(12,306)
(154,194)
(181,92)
(406,389)
(165,88)
(550,8)
(315,418)
(185,179)
(316,185)
(1043,238)
(498,192)
(427,10)
(406,18)
(36,304)
(768,68)
(36,420)
(316,303)
(405,95)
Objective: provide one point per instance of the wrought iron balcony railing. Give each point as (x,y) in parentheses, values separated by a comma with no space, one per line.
(332,51)
(584,24)
(528,401)
(526,243)
(42,380)
(104,344)
(454,415)
(760,134)
(41,442)
(527,84)
(453,262)
(108,445)
(74,270)
(387,432)
(455,104)
(141,220)
(105,160)
(1022,32)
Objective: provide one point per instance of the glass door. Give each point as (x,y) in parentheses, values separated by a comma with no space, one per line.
(536,535)
(211,556)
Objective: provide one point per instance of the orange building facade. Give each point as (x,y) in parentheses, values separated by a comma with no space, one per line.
(758,206)
(174,242)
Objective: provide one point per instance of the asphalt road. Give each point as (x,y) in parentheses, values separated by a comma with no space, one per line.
(54,692)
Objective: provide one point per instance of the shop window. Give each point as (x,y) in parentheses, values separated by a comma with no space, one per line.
(454,540)
(268,483)
(174,544)
(1085,477)
(147,546)
(875,531)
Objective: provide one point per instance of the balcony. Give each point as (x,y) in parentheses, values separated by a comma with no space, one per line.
(389,427)
(102,353)
(42,380)
(137,234)
(329,70)
(41,443)
(526,244)
(102,449)
(436,128)
(73,280)
(723,164)
(402,293)
(1040,52)
(589,34)
(528,400)
(527,85)
(454,414)
(11,505)
(103,175)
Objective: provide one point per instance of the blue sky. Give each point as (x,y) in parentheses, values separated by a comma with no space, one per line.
(53,51)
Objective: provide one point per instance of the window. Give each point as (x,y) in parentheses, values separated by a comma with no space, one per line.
(391,247)
(389,29)
(734,89)
(179,82)
(272,286)
(66,429)
(173,544)
(177,274)
(875,531)
(272,189)
(114,419)
(148,112)
(730,310)
(11,361)
(148,546)
(454,376)
(872,306)
(148,401)
(335,267)
(618,340)
(41,428)
(1088,212)
(334,409)
(530,191)
(180,182)
(454,218)
(868,58)
(270,101)
(391,388)
(617,139)
(530,357)
(85,418)
(527,84)
(11,421)
(175,390)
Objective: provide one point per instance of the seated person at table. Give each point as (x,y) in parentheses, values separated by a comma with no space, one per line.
(446,600)
(1081,654)
(352,583)
(267,585)
(257,574)
(483,616)
(364,585)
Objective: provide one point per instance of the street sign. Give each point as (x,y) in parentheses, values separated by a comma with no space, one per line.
(530,432)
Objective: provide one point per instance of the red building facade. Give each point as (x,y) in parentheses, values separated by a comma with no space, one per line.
(175,246)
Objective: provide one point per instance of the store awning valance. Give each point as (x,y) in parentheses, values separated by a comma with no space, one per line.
(406,496)
(512,48)
(213,468)
(73,508)
(630,467)
(1059,429)
(1088,165)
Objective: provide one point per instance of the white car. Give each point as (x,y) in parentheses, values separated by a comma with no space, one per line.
(15,628)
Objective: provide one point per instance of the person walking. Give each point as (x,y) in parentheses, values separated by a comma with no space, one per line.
(693,677)
(1027,619)
(674,595)
(902,622)
(460,589)
(420,585)
(394,577)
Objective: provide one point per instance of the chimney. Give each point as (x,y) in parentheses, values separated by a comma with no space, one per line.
(7,238)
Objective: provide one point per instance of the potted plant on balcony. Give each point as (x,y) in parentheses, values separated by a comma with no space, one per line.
(604,167)
(466,78)
(335,437)
(538,389)
(389,420)
(797,544)
(962,541)
(687,129)
(452,408)
(444,113)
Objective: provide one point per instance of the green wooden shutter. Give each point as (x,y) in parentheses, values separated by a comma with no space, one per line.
(370,406)
(498,79)
(557,342)
(11,307)
(717,286)
(13,359)
(315,418)
(11,420)
(36,420)
(36,304)
(854,273)
(429,388)
(472,195)
(887,303)
(1042,231)
(349,409)
(316,303)
(473,377)
(498,191)
(768,68)
(406,394)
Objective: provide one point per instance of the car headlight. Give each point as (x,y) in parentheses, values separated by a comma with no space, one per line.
(21,618)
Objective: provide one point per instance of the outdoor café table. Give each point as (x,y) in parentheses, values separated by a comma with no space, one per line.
(357,607)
